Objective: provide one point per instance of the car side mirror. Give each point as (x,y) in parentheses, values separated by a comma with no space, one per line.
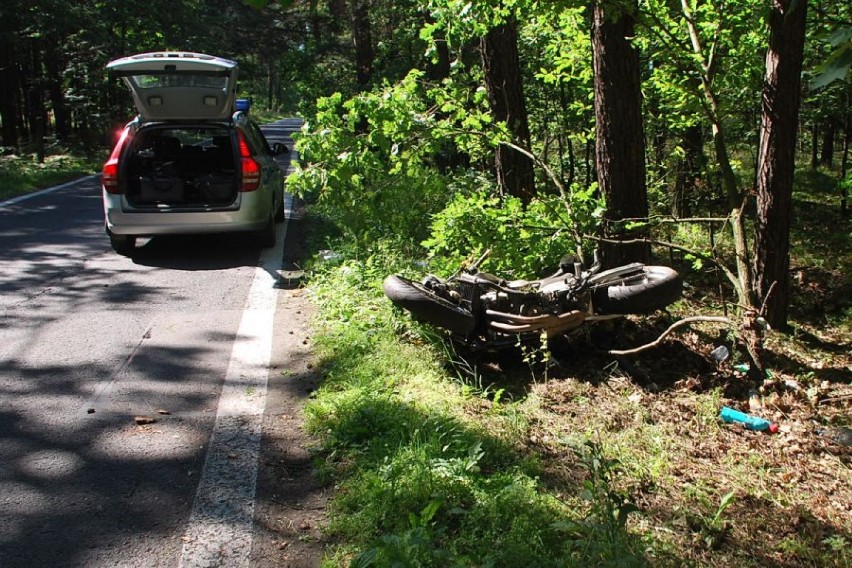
(279,148)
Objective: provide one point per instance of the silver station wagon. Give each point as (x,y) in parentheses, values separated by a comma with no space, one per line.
(192,161)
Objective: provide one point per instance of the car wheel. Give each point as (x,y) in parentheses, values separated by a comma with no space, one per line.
(266,236)
(279,212)
(123,244)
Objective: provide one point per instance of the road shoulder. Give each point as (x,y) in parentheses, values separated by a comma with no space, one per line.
(291,499)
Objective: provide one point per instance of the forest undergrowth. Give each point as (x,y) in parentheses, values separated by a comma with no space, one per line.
(565,455)
(23,173)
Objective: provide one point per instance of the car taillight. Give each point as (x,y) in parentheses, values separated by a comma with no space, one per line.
(250,167)
(109,175)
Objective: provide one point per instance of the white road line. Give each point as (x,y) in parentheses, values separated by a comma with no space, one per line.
(20,198)
(220,526)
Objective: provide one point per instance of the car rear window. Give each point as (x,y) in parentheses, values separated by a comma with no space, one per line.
(181,80)
(205,136)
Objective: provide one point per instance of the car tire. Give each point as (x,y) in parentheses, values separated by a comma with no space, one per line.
(266,236)
(279,211)
(122,244)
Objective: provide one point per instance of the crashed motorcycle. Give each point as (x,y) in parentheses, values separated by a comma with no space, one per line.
(484,310)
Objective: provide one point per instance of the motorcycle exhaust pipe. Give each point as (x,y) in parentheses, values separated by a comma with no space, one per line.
(513,323)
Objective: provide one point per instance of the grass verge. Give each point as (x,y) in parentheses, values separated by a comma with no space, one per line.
(571,457)
(23,174)
(429,468)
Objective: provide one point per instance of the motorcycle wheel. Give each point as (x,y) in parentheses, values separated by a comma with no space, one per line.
(653,289)
(426,306)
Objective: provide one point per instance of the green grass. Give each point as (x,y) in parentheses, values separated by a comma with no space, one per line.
(430,473)
(440,459)
(23,174)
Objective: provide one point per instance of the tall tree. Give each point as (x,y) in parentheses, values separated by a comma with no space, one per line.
(8,90)
(777,152)
(362,39)
(503,82)
(688,170)
(619,135)
(14,18)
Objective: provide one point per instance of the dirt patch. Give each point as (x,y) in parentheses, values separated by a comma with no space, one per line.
(657,413)
(291,499)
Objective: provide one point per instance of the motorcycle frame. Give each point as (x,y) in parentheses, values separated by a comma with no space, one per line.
(513,326)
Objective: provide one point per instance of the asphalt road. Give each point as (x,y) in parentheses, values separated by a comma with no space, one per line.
(89,341)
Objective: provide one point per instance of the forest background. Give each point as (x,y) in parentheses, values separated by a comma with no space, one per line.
(711,135)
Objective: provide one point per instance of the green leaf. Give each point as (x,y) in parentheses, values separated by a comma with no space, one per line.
(428,513)
(835,68)
(840,36)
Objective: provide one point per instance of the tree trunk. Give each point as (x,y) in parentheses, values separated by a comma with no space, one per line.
(777,153)
(826,156)
(55,68)
(270,84)
(502,68)
(569,144)
(814,145)
(8,91)
(733,194)
(589,162)
(36,111)
(844,160)
(688,170)
(438,69)
(619,137)
(362,38)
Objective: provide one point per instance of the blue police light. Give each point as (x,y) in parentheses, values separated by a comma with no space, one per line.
(243,105)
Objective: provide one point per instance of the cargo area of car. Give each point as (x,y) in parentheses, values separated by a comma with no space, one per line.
(179,167)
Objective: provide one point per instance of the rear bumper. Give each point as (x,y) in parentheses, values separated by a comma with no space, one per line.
(251,214)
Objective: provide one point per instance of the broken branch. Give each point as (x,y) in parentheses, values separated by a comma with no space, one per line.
(666,333)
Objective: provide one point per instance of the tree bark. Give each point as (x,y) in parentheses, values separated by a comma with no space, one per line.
(844,159)
(438,69)
(502,68)
(777,152)
(688,170)
(8,91)
(55,68)
(826,156)
(563,103)
(814,145)
(619,137)
(734,196)
(36,111)
(362,38)
(12,14)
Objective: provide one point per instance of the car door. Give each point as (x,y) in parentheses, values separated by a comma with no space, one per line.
(272,175)
(179,85)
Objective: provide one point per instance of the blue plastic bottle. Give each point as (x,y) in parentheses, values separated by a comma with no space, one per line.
(751,422)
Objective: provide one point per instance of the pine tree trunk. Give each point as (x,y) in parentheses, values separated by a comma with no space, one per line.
(55,67)
(688,171)
(619,137)
(814,145)
(8,91)
(826,156)
(502,68)
(844,159)
(777,153)
(439,69)
(362,38)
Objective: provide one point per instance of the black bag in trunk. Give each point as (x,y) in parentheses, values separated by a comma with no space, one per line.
(160,189)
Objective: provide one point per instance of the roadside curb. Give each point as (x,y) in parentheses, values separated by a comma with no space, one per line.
(47,191)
